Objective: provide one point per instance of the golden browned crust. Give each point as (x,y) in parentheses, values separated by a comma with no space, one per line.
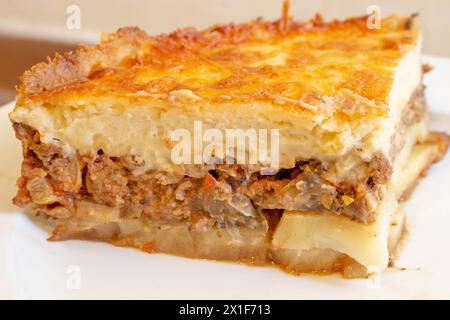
(283,64)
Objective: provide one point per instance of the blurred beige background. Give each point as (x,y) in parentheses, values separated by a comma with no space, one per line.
(157,16)
(32,29)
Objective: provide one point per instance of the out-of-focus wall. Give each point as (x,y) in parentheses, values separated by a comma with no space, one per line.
(155,16)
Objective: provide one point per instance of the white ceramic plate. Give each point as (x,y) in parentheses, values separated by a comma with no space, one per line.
(31,267)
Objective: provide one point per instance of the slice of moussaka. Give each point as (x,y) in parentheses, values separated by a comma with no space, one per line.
(286,143)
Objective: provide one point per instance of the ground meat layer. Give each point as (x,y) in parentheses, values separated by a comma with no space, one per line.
(53,177)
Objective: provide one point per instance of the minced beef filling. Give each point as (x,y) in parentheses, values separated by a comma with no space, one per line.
(54,179)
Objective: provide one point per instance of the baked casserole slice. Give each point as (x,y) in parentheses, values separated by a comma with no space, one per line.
(348,102)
